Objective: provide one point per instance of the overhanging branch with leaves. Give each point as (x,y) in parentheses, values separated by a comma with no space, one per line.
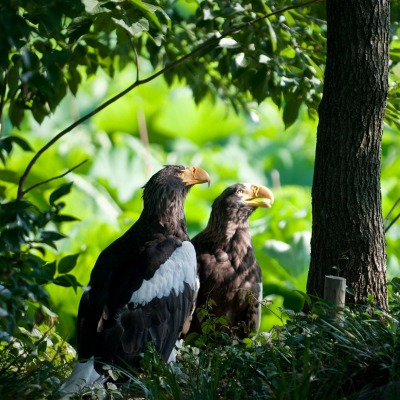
(208,44)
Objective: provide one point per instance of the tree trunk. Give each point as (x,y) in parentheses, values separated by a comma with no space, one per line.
(347,217)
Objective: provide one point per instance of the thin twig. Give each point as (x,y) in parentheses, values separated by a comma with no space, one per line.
(136,60)
(129,37)
(388,215)
(391,210)
(208,43)
(137,63)
(52,179)
(2,99)
(392,222)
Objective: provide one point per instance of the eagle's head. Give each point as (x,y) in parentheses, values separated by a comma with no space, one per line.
(238,201)
(168,188)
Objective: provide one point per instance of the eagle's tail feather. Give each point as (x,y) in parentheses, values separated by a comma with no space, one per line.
(83,375)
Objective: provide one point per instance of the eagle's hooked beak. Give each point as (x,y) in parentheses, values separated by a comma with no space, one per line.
(195,175)
(258,196)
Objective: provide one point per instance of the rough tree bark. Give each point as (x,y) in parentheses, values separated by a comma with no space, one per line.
(347,217)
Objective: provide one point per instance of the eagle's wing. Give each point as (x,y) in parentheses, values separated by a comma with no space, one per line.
(117,323)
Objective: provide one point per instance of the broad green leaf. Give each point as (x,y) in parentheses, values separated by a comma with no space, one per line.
(6,144)
(7,175)
(150,11)
(289,52)
(50,236)
(78,27)
(67,263)
(93,7)
(16,112)
(21,143)
(291,110)
(133,26)
(50,268)
(60,192)
(67,280)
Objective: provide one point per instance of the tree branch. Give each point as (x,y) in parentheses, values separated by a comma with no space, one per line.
(391,210)
(52,179)
(208,43)
(2,99)
(392,222)
(389,213)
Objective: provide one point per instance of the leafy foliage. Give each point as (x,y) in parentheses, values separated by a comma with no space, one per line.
(24,238)
(241,51)
(44,43)
(32,367)
(318,356)
(279,57)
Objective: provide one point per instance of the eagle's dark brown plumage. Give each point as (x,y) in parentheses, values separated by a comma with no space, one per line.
(142,287)
(228,270)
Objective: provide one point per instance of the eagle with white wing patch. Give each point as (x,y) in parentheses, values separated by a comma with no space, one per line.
(142,287)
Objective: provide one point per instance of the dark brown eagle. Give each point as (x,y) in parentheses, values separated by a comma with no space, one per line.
(142,286)
(228,270)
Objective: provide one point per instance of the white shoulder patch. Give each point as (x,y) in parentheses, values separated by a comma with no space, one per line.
(179,268)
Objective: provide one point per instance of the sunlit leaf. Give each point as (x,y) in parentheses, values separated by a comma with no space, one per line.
(272,35)
(133,26)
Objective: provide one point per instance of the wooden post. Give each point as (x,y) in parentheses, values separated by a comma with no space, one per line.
(335,290)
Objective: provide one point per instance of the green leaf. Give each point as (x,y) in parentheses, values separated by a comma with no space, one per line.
(78,27)
(67,263)
(67,280)
(61,191)
(272,35)
(6,144)
(65,218)
(7,175)
(50,269)
(48,312)
(41,348)
(51,236)
(259,84)
(150,11)
(39,111)
(13,80)
(16,112)
(291,110)
(133,26)
(21,143)
(93,7)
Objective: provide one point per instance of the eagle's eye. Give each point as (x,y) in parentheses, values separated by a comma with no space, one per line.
(240,191)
